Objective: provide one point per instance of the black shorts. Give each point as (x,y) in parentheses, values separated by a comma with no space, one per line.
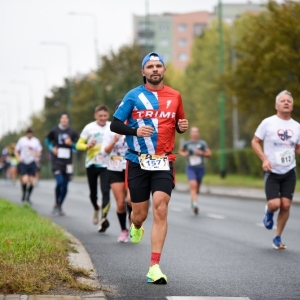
(142,182)
(116,176)
(280,185)
(27,169)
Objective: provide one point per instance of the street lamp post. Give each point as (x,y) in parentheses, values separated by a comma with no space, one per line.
(17,98)
(28,84)
(7,116)
(221,96)
(95,30)
(39,69)
(69,66)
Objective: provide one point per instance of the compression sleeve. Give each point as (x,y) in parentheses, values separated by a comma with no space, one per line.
(177,129)
(119,127)
(49,144)
(81,144)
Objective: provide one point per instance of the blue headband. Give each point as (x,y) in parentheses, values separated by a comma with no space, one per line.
(152,56)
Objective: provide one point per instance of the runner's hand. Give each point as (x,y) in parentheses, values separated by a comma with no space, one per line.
(266,166)
(183,124)
(145,131)
(54,151)
(68,141)
(91,144)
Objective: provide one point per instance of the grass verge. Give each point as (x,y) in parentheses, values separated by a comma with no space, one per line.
(33,253)
(231,180)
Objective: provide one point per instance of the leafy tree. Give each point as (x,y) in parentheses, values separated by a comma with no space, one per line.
(201,84)
(268,49)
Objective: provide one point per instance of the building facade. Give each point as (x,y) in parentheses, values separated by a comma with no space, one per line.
(172,35)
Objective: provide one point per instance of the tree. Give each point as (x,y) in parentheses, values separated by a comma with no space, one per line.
(201,84)
(268,50)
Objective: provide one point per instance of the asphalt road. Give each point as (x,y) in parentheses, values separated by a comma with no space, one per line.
(223,252)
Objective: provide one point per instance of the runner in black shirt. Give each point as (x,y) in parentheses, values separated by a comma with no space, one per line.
(61,140)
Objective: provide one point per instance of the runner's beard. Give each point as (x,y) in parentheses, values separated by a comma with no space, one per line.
(155,82)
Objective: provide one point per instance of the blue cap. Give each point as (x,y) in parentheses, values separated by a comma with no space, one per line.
(152,56)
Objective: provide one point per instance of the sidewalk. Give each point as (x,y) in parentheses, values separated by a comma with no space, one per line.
(247,193)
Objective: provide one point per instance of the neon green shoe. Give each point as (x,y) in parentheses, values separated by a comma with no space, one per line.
(156,276)
(136,235)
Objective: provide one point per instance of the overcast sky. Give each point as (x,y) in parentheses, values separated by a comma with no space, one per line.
(26,24)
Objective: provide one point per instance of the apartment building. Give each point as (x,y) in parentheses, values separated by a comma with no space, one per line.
(172,35)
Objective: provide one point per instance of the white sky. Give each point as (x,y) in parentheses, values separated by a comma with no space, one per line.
(25,24)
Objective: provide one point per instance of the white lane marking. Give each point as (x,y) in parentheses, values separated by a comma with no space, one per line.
(262,225)
(214,216)
(206,298)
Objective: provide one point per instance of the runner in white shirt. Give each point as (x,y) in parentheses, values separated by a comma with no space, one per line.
(114,146)
(27,149)
(281,138)
(90,140)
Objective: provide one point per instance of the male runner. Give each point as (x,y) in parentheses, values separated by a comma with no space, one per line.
(153,112)
(61,141)
(27,149)
(280,135)
(90,140)
(196,150)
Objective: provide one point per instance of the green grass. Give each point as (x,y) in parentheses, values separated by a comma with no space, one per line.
(231,180)
(33,253)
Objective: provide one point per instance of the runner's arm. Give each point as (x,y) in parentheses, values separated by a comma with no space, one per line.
(49,144)
(121,128)
(297,150)
(81,144)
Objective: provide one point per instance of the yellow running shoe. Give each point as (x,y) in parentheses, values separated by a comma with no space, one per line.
(136,235)
(156,276)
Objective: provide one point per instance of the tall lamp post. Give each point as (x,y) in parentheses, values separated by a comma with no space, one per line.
(95,31)
(17,98)
(69,66)
(39,69)
(7,117)
(147,27)
(221,97)
(29,87)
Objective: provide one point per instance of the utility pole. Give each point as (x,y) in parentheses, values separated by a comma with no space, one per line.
(221,97)
(147,27)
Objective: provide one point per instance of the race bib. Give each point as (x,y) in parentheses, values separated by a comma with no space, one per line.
(285,158)
(195,160)
(154,162)
(100,159)
(115,163)
(64,153)
(69,169)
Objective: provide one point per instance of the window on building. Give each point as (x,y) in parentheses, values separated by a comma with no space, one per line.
(198,28)
(182,56)
(164,27)
(142,26)
(182,27)
(164,42)
(166,57)
(182,42)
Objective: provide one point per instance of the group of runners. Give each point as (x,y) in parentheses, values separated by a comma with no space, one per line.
(133,155)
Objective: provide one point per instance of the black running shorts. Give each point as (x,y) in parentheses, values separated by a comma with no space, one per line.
(116,176)
(142,182)
(280,185)
(27,169)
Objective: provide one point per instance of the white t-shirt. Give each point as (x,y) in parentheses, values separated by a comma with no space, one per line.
(93,131)
(280,138)
(114,158)
(28,149)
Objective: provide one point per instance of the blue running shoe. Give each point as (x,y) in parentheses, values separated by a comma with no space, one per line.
(268,219)
(277,243)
